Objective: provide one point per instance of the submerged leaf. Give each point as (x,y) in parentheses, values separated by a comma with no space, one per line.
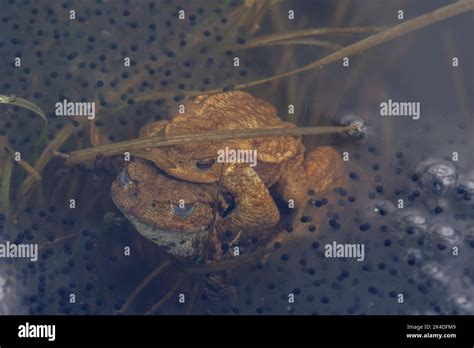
(14,100)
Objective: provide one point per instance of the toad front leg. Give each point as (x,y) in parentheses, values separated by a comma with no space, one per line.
(255,209)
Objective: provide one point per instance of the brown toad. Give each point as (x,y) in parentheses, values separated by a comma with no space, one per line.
(281,163)
(173,214)
(177,215)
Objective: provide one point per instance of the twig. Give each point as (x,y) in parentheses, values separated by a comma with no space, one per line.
(369,42)
(133,295)
(85,155)
(6,181)
(59,154)
(23,164)
(266,40)
(258,11)
(164,298)
(286,60)
(27,186)
(306,41)
(57,240)
(195,293)
(340,12)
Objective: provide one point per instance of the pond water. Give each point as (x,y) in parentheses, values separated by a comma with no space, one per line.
(410,180)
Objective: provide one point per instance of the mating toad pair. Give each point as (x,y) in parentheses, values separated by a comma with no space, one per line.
(170,199)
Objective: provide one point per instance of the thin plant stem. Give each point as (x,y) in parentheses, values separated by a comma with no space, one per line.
(6,181)
(57,240)
(85,155)
(25,165)
(133,295)
(367,43)
(195,293)
(27,185)
(265,40)
(164,298)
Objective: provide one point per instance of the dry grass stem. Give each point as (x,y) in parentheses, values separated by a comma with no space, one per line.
(85,155)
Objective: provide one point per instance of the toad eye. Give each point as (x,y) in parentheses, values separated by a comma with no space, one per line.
(182,211)
(205,164)
(125,179)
